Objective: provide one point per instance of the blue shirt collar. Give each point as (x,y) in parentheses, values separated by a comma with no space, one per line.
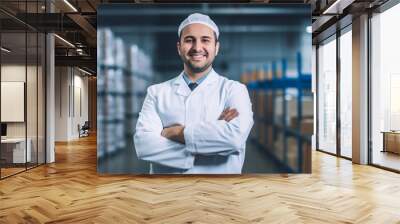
(188,81)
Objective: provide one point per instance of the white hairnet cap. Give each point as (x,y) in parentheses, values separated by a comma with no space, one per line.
(198,18)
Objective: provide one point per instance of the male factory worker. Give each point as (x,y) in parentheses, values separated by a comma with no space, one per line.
(198,122)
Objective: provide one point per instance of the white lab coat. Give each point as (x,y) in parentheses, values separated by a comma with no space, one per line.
(211,146)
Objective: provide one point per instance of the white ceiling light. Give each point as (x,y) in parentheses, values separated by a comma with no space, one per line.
(70,5)
(86,72)
(79,51)
(64,40)
(5,49)
(333,6)
(309,29)
(338,6)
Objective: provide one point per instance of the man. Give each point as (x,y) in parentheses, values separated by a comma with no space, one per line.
(199,121)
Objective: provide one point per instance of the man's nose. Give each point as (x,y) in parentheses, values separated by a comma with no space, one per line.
(197,46)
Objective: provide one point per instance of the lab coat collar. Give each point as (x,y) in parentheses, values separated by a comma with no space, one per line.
(183,89)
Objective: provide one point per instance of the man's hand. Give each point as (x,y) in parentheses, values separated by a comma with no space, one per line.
(228,114)
(174,133)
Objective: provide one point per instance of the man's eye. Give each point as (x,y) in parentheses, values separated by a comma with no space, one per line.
(188,41)
(206,40)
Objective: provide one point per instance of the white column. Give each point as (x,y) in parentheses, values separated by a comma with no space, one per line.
(50,93)
(360,90)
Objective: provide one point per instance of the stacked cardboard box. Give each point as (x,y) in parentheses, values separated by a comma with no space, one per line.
(293,155)
(120,93)
(306,125)
(104,79)
(124,75)
(136,83)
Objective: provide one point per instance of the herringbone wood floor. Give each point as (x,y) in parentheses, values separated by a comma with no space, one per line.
(70,191)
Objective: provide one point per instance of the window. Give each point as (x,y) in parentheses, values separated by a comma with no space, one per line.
(385,89)
(327,96)
(346,93)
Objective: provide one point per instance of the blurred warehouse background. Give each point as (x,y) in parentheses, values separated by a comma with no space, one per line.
(74,73)
(267,47)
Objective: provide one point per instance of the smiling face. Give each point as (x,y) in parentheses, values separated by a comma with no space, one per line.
(197,47)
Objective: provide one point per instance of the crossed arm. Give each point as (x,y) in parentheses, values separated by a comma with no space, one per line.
(176,132)
(176,146)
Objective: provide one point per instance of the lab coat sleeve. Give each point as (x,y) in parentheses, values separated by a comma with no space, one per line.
(150,145)
(221,137)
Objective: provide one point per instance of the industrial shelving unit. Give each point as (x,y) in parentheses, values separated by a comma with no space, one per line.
(272,117)
(124,74)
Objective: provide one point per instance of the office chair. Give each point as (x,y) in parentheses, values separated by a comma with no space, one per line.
(84,130)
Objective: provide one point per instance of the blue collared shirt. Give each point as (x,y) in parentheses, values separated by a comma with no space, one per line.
(188,80)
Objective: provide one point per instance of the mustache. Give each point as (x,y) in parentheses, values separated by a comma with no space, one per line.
(197,52)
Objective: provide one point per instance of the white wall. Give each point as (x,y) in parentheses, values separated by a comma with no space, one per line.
(79,117)
(61,103)
(17,73)
(33,126)
(13,72)
(71,87)
(10,73)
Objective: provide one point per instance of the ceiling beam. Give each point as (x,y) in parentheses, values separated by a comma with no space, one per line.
(83,61)
(149,11)
(225,29)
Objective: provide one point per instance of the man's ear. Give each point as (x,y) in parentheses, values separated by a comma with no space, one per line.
(178,47)
(217,48)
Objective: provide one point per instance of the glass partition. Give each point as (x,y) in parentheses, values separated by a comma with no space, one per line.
(13,109)
(22,91)
(327,96)
(31,99)
(385,89)
(346,93)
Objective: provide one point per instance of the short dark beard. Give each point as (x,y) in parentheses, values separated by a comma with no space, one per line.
(193,68)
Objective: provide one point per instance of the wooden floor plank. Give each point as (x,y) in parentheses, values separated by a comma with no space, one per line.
(70,191)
